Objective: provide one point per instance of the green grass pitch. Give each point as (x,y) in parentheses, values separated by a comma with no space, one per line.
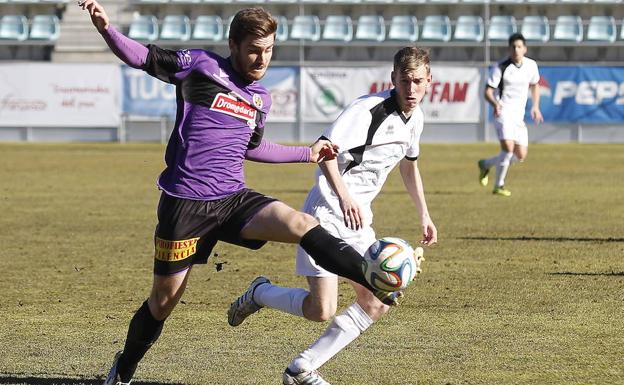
(521,290)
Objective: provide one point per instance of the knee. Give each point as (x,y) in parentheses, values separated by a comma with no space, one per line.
(161,304)
(317,310)
(301,223)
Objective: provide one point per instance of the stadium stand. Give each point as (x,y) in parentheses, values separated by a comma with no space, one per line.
(176,27)
(469,28)
(403,28)
(14,27)
(371,28)
(306,27)
(568,28)
(338,28)
(436,28)
(601,28)
(45,28)
(144,28)
(536,29)
(208,28)
(501,27)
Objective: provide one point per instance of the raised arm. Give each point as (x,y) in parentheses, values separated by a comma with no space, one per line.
(129,51)
(413,184)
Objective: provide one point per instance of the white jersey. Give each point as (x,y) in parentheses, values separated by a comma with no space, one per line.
(373,136)
(512,82)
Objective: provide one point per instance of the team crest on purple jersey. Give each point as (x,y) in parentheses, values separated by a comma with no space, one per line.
(257,101)
(184,56)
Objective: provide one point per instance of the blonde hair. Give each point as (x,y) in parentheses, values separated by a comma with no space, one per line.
(408,59)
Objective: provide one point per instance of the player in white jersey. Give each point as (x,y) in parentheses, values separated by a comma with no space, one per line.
(507,91)
(374,133)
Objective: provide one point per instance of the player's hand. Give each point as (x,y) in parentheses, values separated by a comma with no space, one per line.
(536,114)
(322,150)
(498,109)
(99,18)
(429,232)
(353,218)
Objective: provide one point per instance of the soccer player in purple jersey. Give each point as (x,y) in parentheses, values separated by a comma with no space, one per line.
(220,120)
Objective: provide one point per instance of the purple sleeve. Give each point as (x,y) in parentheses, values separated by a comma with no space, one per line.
(129,51)
(269,152)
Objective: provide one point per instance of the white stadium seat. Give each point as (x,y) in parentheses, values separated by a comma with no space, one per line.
(568,28)
(208,27)
(144,27)
(536,28)
(501,27)
(371,28)
(436,28)
(13,27)
(338,28)
(176,27)
(469,28)
(306,27)
(403,28)
(45,27)
(601,28)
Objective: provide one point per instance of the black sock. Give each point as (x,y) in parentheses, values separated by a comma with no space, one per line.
(144,330)
(334,254)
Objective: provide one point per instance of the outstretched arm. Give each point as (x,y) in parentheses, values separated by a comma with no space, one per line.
(269,152)
(413,184)
(129,51)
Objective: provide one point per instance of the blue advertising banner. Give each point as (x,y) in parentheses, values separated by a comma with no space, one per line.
(581,95)
(144,95)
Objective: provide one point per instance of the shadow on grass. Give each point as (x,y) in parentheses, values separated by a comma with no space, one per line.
(609,274)
(14,380)
(547,239)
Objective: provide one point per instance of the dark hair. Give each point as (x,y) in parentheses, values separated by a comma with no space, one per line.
(252,21)
(408,59)
(516,36)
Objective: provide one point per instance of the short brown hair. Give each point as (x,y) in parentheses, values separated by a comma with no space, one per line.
(252,21)
(408,59)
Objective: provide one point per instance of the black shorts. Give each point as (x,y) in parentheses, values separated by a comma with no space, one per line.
(188,230)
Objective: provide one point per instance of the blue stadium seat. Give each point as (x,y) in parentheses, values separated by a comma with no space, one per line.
(176,27)
(45,27)
(436,28)
(536,28)
(568,28)
(306,27)
(501,27)
(282,28)
(469,28)
(403,28)
(144,27)
(371,28)
(208,27)
(338,28)
(601,28)
(13,27)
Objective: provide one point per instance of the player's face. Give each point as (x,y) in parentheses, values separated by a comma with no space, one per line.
(252,56)
(517,51)
(410,88)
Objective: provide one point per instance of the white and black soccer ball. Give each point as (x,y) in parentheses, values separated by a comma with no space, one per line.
(390,264)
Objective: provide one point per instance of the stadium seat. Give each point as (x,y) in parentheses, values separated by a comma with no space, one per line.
(536,28)
(226,31)
(249,1)
(13,27)
(371,28)
(469,28)
(144,27)
(185,1)
(208,28)
(216,1)
(176,27)
(541,1)
(573,1)
(601,28)
(282,1)
(501,27)
(568,28)
(508,1)
(443,1)
(436,28)
(607,1)
(338,28)
(346,1)
(152,1)
(45,27)
(410,1)
(403,28)
(306,27)
(282,28)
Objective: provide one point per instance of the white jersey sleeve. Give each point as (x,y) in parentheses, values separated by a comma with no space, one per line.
(345,130)
(495,76)
(413,151)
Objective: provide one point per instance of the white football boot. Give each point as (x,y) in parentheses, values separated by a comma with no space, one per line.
(311,377)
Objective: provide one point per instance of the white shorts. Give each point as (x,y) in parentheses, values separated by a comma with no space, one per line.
(360,240)
(512,129)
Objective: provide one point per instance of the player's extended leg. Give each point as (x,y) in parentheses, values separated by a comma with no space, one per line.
(146,325)
(281,223)
(343,330)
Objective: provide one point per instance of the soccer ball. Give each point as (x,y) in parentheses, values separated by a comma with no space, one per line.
(390,264)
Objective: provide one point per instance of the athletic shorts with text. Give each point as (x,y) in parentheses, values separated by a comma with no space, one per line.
(188,230)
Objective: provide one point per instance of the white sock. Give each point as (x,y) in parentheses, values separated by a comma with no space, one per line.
(489,162)
(502,167)
(345,328)
(286,299)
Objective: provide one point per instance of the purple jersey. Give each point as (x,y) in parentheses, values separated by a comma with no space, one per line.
(217,113)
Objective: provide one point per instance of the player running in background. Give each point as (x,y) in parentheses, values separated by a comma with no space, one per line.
(220,119)
(512,78)
(374,133)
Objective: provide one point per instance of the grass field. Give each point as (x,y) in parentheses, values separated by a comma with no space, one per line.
(520,290)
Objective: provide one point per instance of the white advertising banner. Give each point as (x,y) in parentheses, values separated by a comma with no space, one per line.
(454,95)
(60,95)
